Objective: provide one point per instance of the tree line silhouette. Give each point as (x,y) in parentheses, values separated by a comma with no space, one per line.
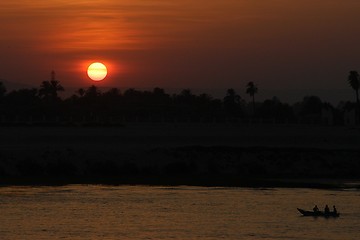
(92,106)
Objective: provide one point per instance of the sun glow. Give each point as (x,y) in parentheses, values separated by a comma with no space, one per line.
(97,71)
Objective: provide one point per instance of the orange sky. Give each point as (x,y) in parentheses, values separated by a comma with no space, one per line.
(279,44)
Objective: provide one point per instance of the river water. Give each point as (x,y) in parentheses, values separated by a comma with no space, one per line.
(143,212)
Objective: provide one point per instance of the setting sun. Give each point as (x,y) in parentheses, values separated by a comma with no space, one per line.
(97,71)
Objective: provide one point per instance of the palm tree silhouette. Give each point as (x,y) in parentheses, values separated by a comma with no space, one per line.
(49,89)
(231,97)
(354,82)
(252,89)
(232,103)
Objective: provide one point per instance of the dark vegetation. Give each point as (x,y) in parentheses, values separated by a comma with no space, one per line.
(90,106)
(193,165)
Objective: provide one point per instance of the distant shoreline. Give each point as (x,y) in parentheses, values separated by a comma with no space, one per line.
(219,182)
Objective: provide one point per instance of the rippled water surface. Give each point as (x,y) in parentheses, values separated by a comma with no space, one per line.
(143,212)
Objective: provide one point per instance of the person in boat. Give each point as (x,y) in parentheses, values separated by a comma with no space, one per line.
(326,210)
(334,209)
(316,209)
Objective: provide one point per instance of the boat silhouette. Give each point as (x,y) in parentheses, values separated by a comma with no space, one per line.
(318,213)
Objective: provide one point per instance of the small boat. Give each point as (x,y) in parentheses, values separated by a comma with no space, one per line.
(318,213)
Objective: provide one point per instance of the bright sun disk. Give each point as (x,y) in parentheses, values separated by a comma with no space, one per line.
(97,71)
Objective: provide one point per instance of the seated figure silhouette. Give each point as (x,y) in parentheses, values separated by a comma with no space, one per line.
(326,210)
(334,209)
(316,209)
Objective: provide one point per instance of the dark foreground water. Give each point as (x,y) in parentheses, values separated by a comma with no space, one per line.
(143,212)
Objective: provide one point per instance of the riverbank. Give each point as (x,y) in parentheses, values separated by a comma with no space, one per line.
(220,155)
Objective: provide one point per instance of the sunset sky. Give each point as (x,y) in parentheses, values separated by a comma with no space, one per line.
(285,46)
